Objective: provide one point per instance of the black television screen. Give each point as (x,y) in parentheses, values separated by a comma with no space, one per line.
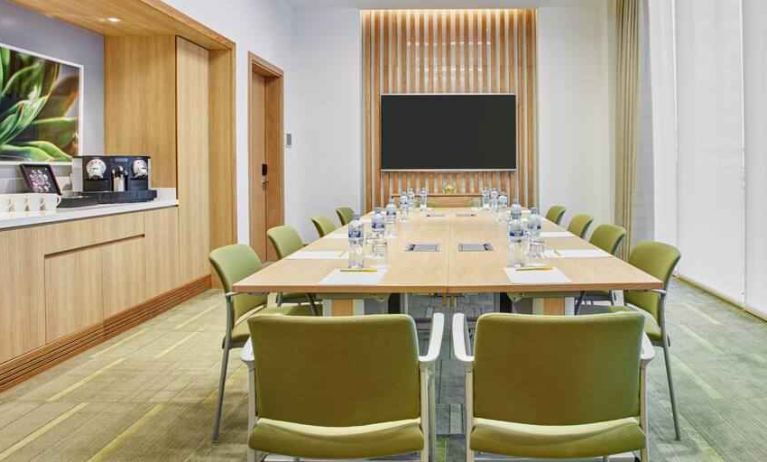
(448,132)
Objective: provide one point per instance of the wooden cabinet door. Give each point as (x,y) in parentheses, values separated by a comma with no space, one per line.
(73,292)
(22,302)
(124,276)
(192,71)
(161,263)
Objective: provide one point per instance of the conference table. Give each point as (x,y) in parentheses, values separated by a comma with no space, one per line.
(575,265)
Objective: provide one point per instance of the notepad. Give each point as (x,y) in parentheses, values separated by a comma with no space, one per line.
(551,276)
(318,255)
(344,278)
(551,234)
(422,248)
(475,247)
(576,253)
(466,214)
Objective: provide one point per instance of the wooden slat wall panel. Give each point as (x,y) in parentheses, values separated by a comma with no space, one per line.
(450,51)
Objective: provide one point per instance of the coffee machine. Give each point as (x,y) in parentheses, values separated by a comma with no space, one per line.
(113,179)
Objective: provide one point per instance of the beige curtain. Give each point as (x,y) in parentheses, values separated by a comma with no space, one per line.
(627,113)
(450,51)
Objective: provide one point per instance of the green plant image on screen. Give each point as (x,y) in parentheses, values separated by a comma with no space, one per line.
(39,108)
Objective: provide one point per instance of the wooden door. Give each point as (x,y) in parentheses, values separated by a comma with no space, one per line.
(258,165)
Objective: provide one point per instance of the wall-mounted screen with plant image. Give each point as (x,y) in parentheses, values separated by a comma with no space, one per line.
(40,107)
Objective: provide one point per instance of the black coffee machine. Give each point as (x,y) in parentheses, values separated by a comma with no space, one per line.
(113,179)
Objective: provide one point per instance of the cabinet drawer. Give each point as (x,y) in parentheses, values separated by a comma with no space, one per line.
(78,234)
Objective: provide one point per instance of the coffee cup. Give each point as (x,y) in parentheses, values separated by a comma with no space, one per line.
(50,202)
(34,202)
(18,203)
(5,203)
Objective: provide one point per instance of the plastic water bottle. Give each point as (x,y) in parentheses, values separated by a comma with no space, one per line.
(517,247)
(485,199)
(403,207)
(356,243)
(534,224)
(424,195)
(516,211)
(494,200)
(503,205)
(411,198)
(378,237)
(391,217)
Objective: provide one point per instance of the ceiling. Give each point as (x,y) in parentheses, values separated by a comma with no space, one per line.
(430,4)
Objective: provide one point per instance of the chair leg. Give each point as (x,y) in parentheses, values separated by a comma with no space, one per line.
(644,455)
(221,385)
(316,310)
(667,359)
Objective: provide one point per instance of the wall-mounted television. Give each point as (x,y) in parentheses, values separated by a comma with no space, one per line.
(448,132)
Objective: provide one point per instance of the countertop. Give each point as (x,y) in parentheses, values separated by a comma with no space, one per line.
(166,197)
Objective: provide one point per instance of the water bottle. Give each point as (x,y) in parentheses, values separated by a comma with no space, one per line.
(485,199)
(503,205)
(356,243)
(534,224)
(516,211)
(403,207)
(411,198)
(517,247)
(494,200)
(536,244)
(424,198)
(378,237)
(391,217)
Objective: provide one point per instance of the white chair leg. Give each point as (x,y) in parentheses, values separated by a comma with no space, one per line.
(644,455)
(221,386)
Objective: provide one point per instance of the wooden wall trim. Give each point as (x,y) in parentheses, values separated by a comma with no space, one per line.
(23,367)
(450,51)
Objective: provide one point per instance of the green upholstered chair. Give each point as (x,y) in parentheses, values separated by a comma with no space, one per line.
(659,260)
(526,398)
(608,237)
(579,224)
(286,240)
(555,214)
(234,263)
(366,393)
(345,215)
(323,225)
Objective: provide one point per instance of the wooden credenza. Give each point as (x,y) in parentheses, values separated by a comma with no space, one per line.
(67,286)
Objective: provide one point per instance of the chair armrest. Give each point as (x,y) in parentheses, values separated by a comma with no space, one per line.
(648,351)
(460,340)
(246,354)
(435,339)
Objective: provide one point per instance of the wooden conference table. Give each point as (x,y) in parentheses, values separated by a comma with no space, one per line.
(578,265)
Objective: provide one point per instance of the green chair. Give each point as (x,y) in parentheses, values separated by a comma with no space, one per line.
(286,241)
(234,263)
(527,398)
(608,237)
(345,215)
(366,393)
(555,214)
(579,224)
(659,260)
(323,225)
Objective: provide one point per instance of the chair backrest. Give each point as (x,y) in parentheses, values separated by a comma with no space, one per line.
(580,224)
(659,260)
(336,372)
(232,264)
(586,370)
(555,213)
(323,225)
(285,240)
(608,237)
(345,215)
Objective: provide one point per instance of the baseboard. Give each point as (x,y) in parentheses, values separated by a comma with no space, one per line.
(722,297)
(23,367)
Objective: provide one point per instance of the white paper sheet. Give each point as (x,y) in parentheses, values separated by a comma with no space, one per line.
(552,276)
(318,255)
(576,253)
(550,234)
(343,235)
(344,278)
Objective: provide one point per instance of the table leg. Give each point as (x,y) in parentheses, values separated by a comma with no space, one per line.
(504,303)
(554,306)
(395,304)
(343,307)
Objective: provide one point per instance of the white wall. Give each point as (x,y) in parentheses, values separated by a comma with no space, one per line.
(327,169)
(263,27)
(574,128)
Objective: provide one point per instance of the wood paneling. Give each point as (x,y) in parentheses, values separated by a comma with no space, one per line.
(73,292)
(136,18)
(450,51)
(223,211)
(22,302)
(139,104)
(123,275)
(161,263)
(193,157)
(62,237)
